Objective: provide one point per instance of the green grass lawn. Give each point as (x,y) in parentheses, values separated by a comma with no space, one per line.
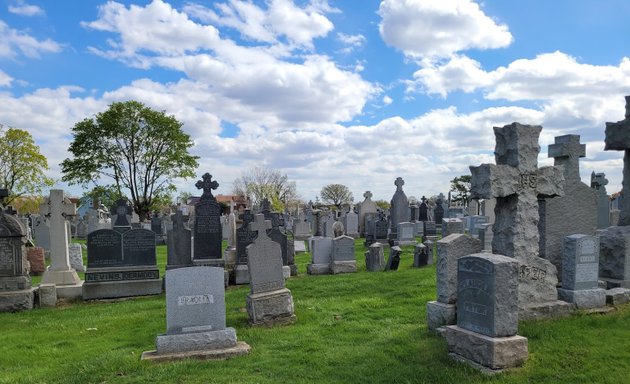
(355,328)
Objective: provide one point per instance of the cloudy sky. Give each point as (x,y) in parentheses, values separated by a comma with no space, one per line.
(326,91)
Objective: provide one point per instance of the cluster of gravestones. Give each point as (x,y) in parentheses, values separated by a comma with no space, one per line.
(490,273)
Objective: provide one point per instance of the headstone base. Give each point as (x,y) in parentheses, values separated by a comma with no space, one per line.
(239,349)
(70,291)
(585,298)
(286,271)
(195,341)
(15,301)
(440,314)
(241,274)
(615,283)
(270,308)
(546,310)
(491,352)
(68,283)
(318,269)
(343,267)
(124,288)
(618,296)
(408,242)
(209,263)
(47,295)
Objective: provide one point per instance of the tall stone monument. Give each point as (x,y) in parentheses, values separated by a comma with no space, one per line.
(56,208)
(207,231)
(575,211)
(399,211)
(367,207)
(598,183)
(517,184)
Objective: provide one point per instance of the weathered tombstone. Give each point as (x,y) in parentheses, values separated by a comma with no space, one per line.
(399,210)
(121,214)
(367,207)
(338,229)
(322,256)
(351,223)
(179,244)
(36,259)
(41,231)
(207,233)
(474,222)
(82,229)
(580,269)
(156,223)
(487,209)
(598,183)
(485,236)
(75,255)
(268,302)
(277,235)
(244,237)
(518,183)
(421,257)
(342,256)
(575,211)
(16,293)
(59,272)
(439,212)
(195,318)
(487,313)
(121,264)
(413,213)
(230,252)
(450,249)
(394,258)
(423,210)
(452,226)
(380,228)
(429,228)
(374,258)
(301,230)
(406,233)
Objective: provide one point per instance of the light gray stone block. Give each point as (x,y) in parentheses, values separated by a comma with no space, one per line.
(241,274)
(15,301)
(618,296)
(114,289)
(196,341)
(585,298)
(491,352)
(548,309)
(269,308)
(449,250)
(47,294)
(318,269)
(440,314)
(343,267)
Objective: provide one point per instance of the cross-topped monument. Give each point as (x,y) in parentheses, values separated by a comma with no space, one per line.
(367,195)
(517,183)
(618,139)
(260,225)
(57,207)
(399,183)
(207,184)
(423,199)
(566,152)
(121,210)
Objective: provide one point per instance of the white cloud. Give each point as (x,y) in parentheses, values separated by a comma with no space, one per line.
(23,9)
(352,42)
(14,43)
(429,29)
(5,80)
(461,72)
(387,100)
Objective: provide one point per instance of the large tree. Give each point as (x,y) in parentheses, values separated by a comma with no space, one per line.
(22,166)
(139,149)
(259,183)
(460,189)
(336,194)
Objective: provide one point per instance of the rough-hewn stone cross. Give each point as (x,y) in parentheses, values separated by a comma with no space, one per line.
(566,152)
(121,210)
(399,183)
(261,226)
(367,195)
(517,183)
(618,139)
(207,184)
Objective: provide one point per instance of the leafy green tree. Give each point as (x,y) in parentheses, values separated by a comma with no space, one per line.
(337,195)
(141,150)
(105,195)
(22,166)
(382,204)
(259,183)
(460,189)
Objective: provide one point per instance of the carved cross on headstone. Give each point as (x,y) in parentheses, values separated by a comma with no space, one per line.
(566,152)
(207,184)
(423,199)
(367,195)
(399,183)
(517,183)
(261,226)
(618,139)
(599,181)
(121,210)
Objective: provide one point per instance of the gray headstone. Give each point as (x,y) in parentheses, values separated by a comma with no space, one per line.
(580,267)
(598,183)
(399,206)
(394,258)
(367,207)
(452,226)
(429,228)
(264,259)
(322,250)
(449,250)
(374,258)
(179,244)
(406,231)
(343,249)
(244,237)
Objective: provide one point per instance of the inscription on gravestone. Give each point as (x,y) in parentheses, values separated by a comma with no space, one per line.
(475,292)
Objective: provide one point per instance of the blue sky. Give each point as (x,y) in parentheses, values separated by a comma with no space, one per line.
(350,92)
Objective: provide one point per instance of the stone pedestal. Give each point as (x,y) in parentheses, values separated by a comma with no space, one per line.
(14,301)
(440,314)
(343,267)
(68,283)
(495,353)
(209,263)
(270,308)
(318,269)
(109,283)
(585,298)
(618,296)
(286,271)
(47,295)
(241,274)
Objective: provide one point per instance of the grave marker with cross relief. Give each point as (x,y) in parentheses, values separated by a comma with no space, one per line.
(207,231)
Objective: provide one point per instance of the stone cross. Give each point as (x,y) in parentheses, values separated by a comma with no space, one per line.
(599,181)
(367,195)
(566,152)
(423,199)
(618,139)
(121,210)
(261,226)
(207,184)
(56,209)
(399,183)
(517,183)
(441,197)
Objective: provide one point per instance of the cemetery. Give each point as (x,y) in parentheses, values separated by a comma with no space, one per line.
(514,287)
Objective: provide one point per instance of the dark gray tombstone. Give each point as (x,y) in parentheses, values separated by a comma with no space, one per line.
(15,282)
(374,258)
(179,244)
(207,232)
(321,251)
(156,224)
(121,214)
(429,228)
(394,258)
(580,270)
(420,256)
(423,209)
(268,302)
(380,228)
(195,318)
(399,207)
(343,258)
(244,236)
(438,212)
